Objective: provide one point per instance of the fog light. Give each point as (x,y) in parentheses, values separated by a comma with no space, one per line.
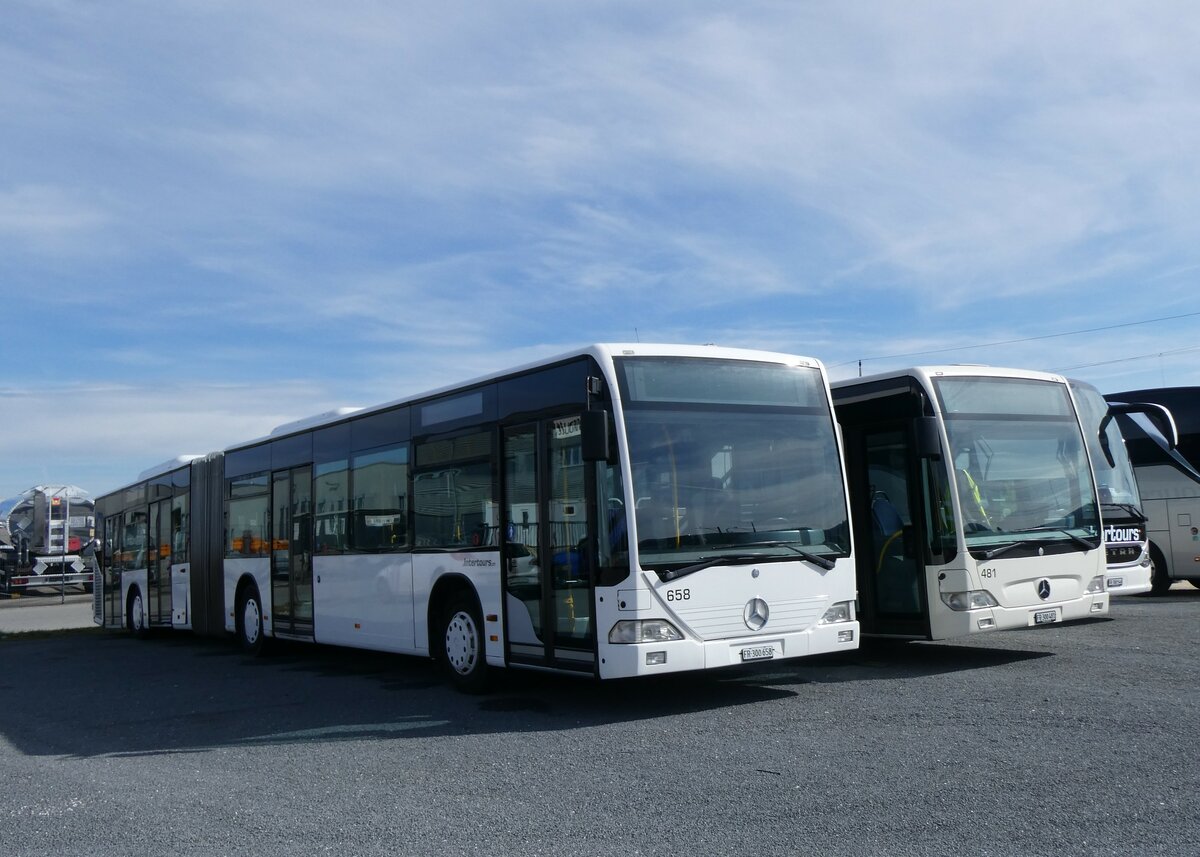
(1097,584)
(1097,607)
(643,631)
(846,636)
(984,624)
(974,599)
(653,658)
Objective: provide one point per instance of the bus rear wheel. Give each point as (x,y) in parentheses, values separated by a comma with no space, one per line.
(135,613)
(249,621)
(462,651)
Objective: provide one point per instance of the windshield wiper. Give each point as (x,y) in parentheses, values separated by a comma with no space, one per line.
(1005,548)
(815,559)
(1134,511)
(995,552)
(676,573)
(730,559)
(1079,540)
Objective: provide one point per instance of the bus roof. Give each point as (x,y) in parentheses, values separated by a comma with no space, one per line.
(600,351)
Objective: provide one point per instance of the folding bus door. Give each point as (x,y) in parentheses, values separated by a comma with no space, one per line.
(547,546)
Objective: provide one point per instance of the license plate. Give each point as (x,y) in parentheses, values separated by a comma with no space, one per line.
(758,653)
(1116,581)
(1045,617)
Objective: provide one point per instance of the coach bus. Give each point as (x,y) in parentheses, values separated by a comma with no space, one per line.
(621,510)
(973,504)
(1169,482)
(1126,540)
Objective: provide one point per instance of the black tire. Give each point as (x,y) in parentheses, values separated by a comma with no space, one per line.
(135,614)
(251,637)
(1194,581)
(461,645)
(1159,582)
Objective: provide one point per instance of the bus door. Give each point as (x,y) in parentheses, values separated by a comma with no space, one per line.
(891,522)
(158,566)
(548,546)
(291,551)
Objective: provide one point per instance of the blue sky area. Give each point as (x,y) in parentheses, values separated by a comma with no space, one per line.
(216,217)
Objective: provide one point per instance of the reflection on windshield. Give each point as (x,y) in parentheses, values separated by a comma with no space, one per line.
(1116,484)
(709,482)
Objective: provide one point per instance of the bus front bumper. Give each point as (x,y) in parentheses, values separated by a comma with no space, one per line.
(634,659)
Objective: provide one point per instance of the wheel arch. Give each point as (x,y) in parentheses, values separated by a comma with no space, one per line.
(1160,575)
(445,588)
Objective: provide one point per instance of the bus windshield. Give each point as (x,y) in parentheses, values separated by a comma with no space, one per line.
(731,461)
(1019,465)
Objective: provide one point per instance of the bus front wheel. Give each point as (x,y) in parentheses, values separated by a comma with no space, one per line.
(1159,581)
(462,652)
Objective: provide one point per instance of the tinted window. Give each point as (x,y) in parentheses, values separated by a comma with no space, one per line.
(380,484)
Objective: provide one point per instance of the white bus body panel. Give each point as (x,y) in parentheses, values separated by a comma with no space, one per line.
(365,601)
(482,569)
(709,609)
(1132,579)
(181,596)
(258,568)
(1014,583)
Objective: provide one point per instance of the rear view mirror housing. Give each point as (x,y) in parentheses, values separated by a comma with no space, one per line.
(595,436)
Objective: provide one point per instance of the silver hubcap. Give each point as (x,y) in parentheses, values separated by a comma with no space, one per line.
(462,643)
(250,621)
(136,616)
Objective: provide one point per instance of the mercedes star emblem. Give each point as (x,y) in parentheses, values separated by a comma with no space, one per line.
(1043,589)
(756,613)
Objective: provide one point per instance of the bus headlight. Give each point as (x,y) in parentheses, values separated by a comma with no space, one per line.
(839,612)
(643,631)
(973,599)
(1097,584)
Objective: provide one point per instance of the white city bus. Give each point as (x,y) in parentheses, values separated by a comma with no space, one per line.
(1126,541)
(973,504)
(621,510)
(1169,481)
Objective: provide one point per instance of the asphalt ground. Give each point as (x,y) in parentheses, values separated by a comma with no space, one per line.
(1071,739)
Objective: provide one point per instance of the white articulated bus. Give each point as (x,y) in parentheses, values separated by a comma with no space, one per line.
(622,510)
(1126,540)
(1169,481)
(973,504)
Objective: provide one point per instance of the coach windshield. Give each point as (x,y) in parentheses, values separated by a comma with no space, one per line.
(731,461)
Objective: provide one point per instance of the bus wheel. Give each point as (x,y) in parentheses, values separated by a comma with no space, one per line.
(249,621)
(1159,582)
(135,614)
(462,646)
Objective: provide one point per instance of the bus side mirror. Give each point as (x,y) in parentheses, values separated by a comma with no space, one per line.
(594,440)
(1158,416)
(929,438)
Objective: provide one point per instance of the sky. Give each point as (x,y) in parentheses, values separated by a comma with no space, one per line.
(217,217)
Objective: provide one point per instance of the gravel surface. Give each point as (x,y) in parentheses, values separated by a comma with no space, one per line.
(1076,739)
